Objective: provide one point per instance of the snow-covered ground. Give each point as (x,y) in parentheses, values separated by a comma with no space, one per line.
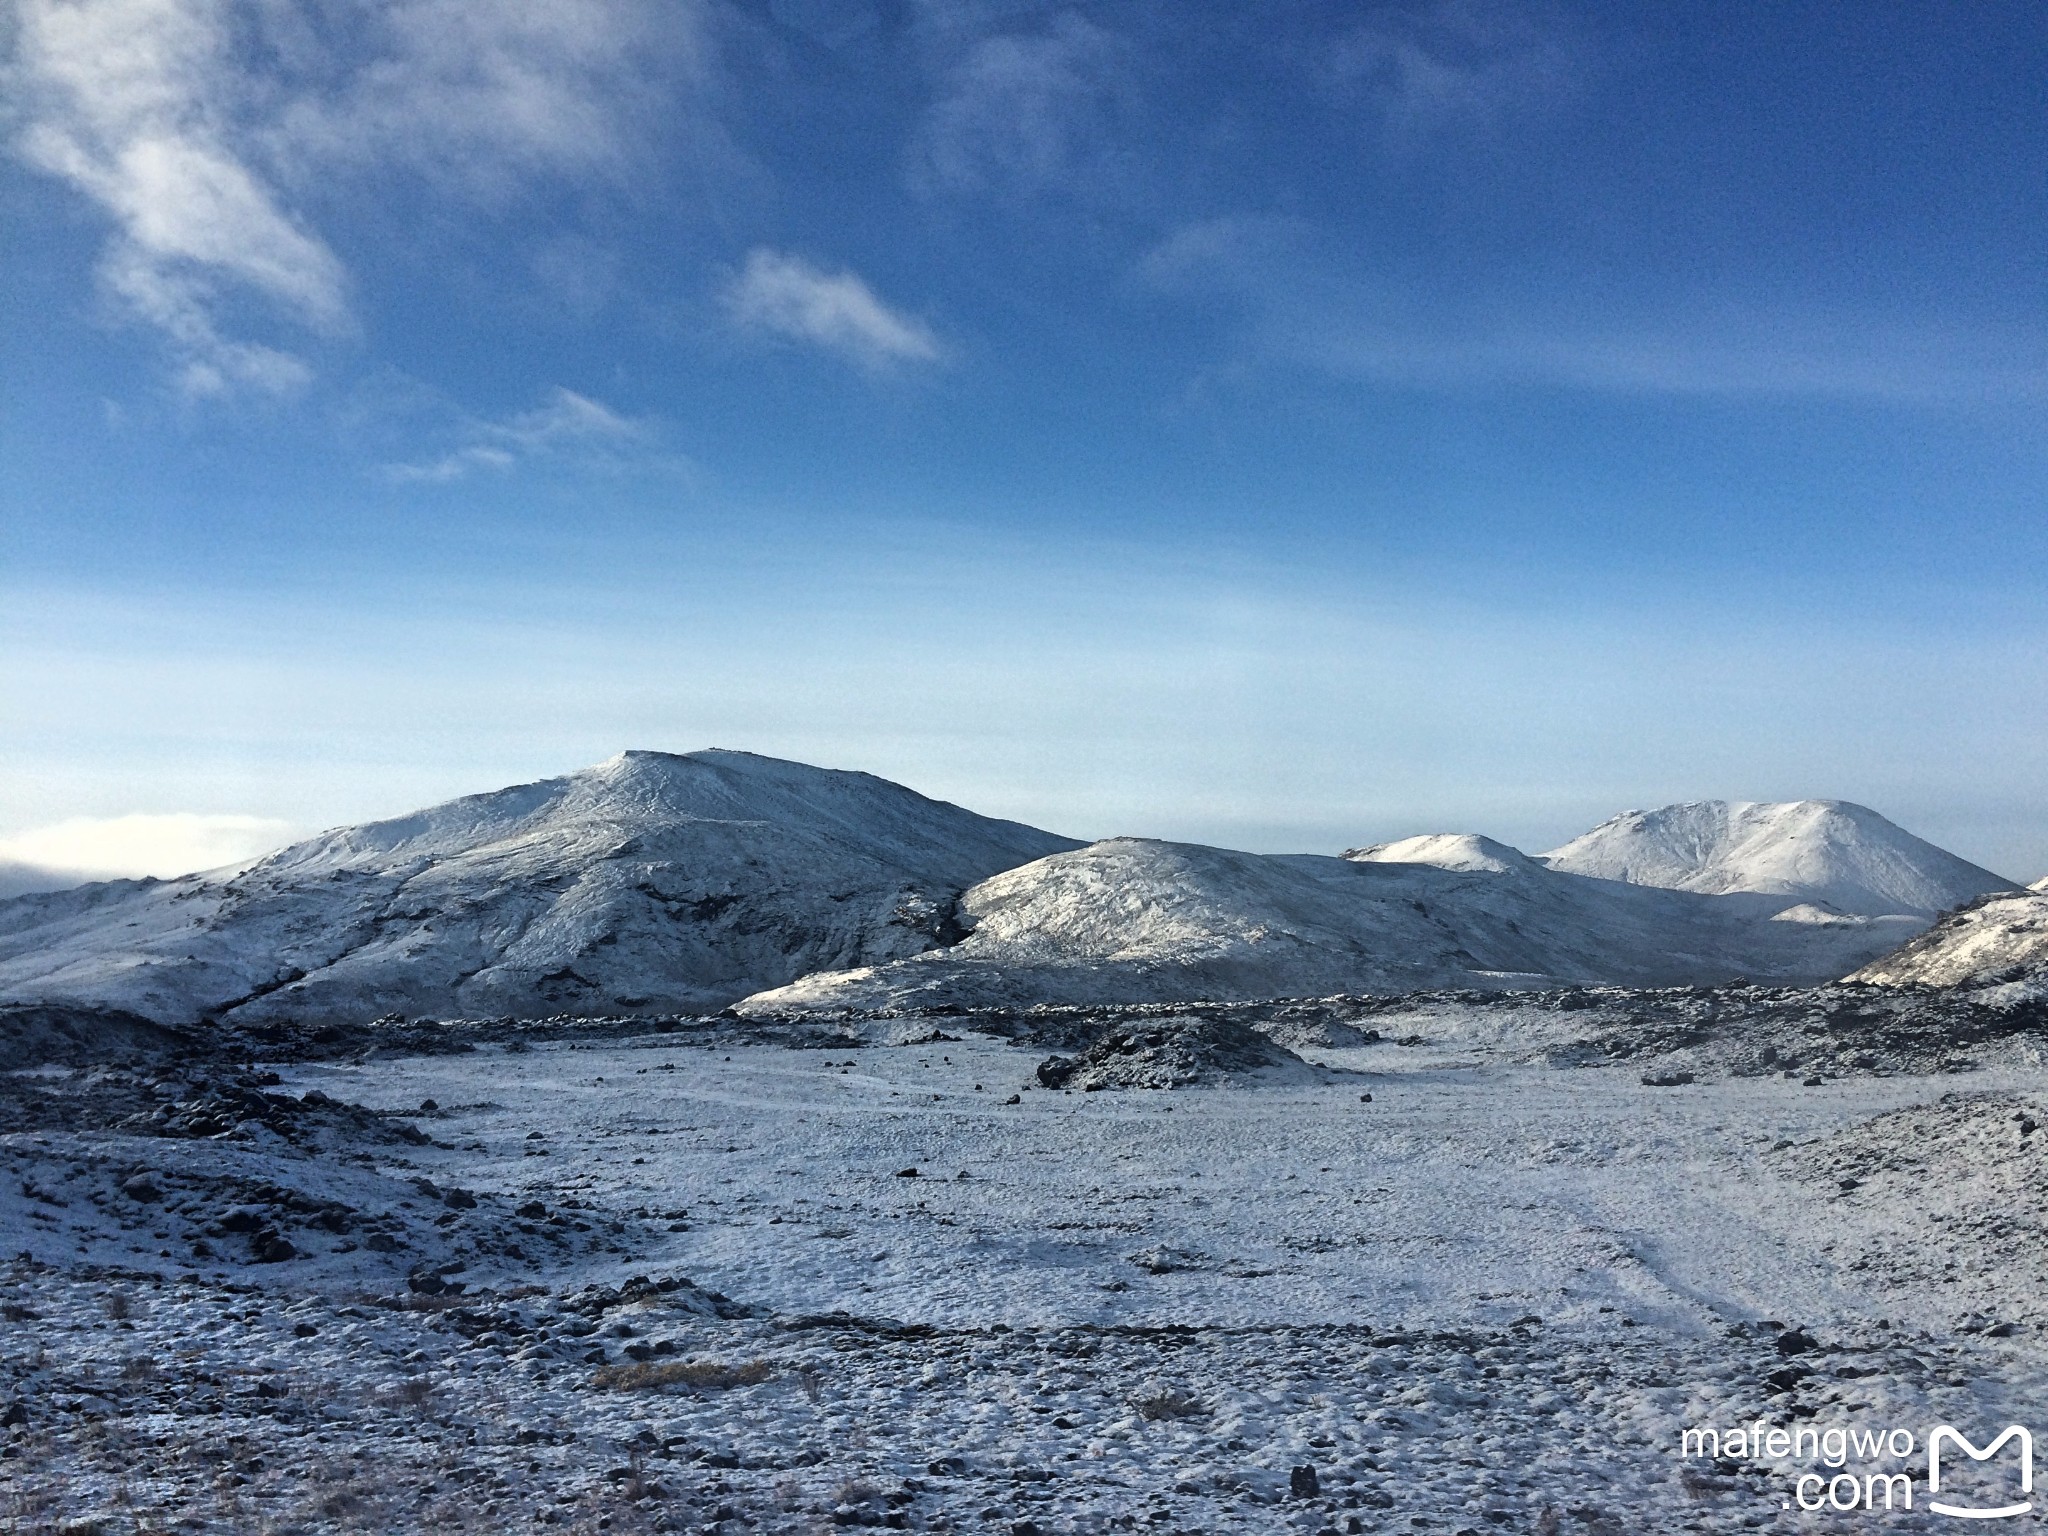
(1488,1296)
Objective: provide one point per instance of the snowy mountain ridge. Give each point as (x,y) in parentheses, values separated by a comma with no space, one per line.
(657,883)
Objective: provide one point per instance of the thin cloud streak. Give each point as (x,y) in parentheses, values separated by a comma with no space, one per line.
(1423,69)
(126,102)
(565,424)
(1299,304)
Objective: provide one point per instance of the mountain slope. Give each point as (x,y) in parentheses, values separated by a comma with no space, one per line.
(1998,944)
(1135,920)
(650,883)
(1840,857)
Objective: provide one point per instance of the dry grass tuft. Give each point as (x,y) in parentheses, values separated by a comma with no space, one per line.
(139,1370)
(700,1375)
(414,1302)
(1170,1405)
(413,1392)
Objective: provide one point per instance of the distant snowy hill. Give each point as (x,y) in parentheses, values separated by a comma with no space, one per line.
(1998,945)
(1839,857)
(1135,920)
(651,883)
(1447,850)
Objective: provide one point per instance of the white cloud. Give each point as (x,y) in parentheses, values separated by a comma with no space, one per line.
(787,296)
(176,844)
(565,423)
(208,129)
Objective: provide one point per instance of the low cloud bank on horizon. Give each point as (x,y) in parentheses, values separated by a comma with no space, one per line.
(82,848)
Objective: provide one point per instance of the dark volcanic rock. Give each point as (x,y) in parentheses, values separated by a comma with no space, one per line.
(1173,1052)
(37,1034)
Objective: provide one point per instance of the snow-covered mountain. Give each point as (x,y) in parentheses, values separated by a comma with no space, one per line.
(657,884)
(1135,920)
(650,883)
(1997,945)
(1836,856)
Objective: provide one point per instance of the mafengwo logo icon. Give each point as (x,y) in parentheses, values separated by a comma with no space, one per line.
(1946,1436)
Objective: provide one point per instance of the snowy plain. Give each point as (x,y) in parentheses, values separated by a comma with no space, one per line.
(1490,1297)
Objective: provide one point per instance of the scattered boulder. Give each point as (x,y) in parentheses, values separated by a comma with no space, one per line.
(1054,1071)
(142,1187)
(1160,1259)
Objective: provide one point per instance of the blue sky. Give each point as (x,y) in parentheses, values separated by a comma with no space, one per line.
(1285,426)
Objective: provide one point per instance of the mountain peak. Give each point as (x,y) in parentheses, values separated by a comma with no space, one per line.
(651,882)
(1843,856)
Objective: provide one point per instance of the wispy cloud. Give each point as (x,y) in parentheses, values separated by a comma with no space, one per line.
(207,131)
(90,847)
(786,296)
(1301,300)
(1449,62)
(129,102)
(1024,112)
(480,98)
(565,425)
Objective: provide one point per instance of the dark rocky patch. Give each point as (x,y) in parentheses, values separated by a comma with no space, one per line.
(1174,1052)
(50,1034)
